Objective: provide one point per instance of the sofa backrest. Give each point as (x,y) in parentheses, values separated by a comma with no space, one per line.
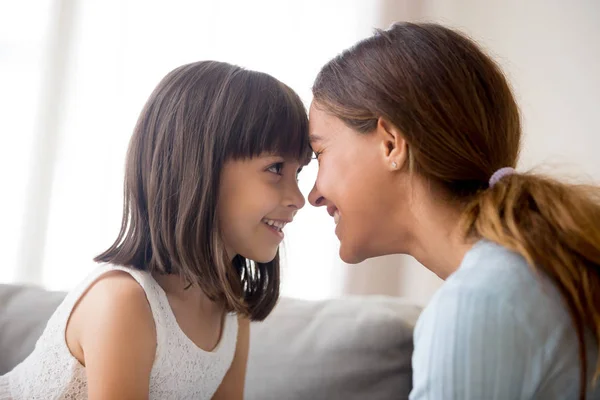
(349,348)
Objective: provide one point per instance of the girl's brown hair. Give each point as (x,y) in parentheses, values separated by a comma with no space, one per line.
(461,122)
(198,117)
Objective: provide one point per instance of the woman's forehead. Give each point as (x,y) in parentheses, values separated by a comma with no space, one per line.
(319,122)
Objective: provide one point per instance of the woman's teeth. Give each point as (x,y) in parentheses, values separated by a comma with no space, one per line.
(276,224)
(336,217)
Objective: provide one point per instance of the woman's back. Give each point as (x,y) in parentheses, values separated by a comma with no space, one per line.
(507,334)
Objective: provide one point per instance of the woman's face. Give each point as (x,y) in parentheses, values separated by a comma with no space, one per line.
(359,184)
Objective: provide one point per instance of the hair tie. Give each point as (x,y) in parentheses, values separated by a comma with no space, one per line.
(501,173)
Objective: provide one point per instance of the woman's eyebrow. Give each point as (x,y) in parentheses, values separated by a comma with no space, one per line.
(314,138)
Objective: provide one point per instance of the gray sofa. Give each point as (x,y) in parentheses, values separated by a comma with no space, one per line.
(351,348)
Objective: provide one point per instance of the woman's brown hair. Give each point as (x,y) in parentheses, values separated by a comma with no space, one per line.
(458,115)
(198,117)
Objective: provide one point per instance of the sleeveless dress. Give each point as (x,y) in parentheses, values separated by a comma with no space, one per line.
(181,370)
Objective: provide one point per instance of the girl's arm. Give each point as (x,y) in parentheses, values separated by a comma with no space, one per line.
(232,387)
(112,333)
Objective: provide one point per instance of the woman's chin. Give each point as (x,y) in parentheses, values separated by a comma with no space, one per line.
(349,255)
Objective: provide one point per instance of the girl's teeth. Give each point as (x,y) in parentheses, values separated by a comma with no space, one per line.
(276,224)
(336,217)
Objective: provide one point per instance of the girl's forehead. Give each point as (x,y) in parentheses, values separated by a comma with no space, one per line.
(294,158)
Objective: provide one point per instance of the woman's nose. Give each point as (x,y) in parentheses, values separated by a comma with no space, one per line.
(315,198)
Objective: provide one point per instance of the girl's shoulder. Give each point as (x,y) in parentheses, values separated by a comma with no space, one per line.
(115,297)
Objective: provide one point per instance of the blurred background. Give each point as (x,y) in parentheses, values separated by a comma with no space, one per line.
(74,75)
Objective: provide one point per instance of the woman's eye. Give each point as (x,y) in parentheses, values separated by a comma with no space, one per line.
(316,155)
(276,168)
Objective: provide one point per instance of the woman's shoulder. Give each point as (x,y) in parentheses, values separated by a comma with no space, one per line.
(497,319)
(491,270)
(492,277)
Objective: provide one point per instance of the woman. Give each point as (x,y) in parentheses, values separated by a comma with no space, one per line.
(417,134)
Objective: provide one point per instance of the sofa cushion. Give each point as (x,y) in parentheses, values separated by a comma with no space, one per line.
(24,312)
(348,348)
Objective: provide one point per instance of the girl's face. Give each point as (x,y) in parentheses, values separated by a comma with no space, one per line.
(257,198)
(361,184)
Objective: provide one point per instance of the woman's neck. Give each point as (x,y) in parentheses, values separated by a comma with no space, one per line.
(438,241)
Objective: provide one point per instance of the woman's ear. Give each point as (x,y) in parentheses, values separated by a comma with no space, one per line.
(393,145)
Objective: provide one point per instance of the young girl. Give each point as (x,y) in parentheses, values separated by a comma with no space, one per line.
(211,180)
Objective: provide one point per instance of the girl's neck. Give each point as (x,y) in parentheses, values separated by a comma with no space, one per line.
(180,290)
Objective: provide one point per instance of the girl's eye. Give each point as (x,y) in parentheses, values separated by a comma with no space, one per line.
(276,168)
(316,155)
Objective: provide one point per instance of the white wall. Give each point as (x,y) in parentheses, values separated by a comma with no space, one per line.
(22,30)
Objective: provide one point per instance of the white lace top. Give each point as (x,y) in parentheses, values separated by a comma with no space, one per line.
(181,370)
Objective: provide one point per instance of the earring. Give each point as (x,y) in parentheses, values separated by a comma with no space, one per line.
(394,165)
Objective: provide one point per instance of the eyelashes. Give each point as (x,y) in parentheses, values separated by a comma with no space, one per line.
(277,168)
